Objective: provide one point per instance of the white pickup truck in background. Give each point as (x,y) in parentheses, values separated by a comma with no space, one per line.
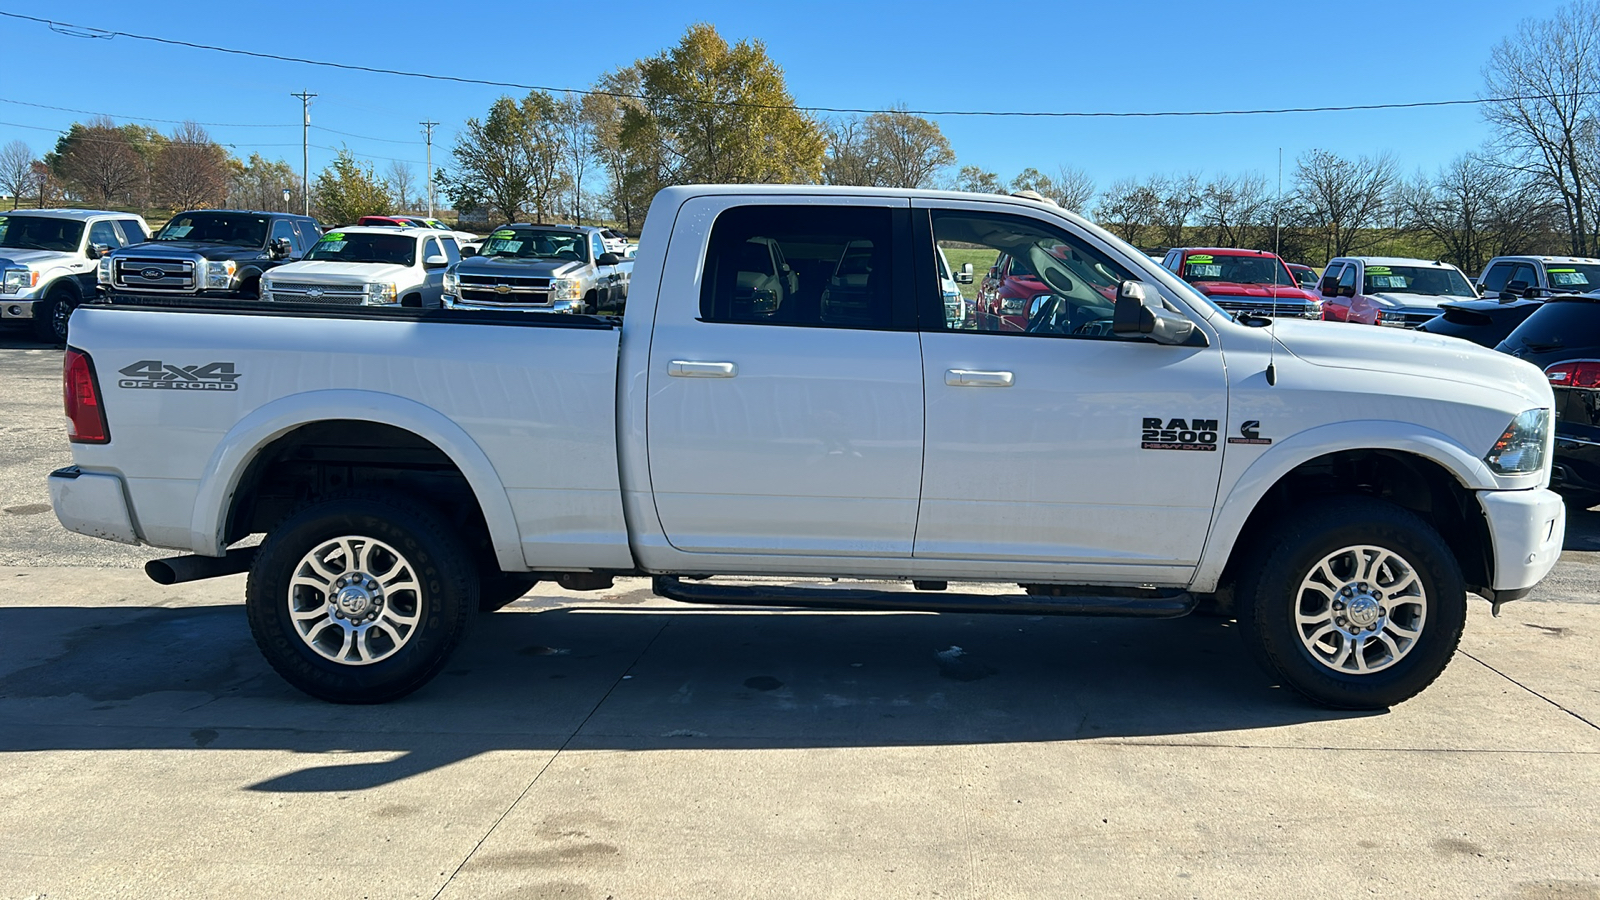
(1130,449)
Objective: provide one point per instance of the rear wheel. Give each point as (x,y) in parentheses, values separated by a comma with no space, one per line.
(1358,605)
(361,598)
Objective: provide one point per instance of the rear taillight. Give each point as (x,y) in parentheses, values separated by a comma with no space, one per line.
(1580,373)
(86,418)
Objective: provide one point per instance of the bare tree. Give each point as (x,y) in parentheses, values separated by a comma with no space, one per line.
(1344,199)
(1073,189)
(45,187)
(402,182)
(850,159)
(1542,84)
(259,184)
(1231,206)
(1180,201)
(1476,209)
(909,150)
(190,170)
(99,161)
(1128,208)
(16,170)
(577,142)
(976,180)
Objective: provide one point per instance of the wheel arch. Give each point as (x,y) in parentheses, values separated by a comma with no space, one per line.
(1417,469)
(252,443)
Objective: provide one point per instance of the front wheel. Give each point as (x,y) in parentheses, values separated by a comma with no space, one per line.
(361,598)
(1359,604)
(50,316)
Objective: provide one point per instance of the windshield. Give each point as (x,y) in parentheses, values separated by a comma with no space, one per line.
(40,233)
(529,243)
(1436,280)
(365,247)
(1200,267)
(1576,278)
(234,229)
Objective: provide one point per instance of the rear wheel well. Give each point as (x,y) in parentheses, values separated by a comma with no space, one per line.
(324,458)
(1413,482)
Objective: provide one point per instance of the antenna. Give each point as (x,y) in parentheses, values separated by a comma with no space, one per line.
(1277,245)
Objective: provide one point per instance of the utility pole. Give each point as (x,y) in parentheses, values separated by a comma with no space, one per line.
(428,130)
(305,149)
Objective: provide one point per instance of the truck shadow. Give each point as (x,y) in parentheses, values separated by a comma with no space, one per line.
(1583,529)
(623,677)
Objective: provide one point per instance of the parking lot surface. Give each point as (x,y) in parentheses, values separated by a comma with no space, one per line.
(619,745)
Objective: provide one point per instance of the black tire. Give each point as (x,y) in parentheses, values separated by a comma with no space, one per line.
(50,316)
(591,304)
(1270,595)
(250,290)
(443,605)
(498,589)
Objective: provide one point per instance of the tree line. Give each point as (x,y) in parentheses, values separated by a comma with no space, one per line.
(706,111)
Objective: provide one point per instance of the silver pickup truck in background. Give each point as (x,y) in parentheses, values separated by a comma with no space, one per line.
(543,268)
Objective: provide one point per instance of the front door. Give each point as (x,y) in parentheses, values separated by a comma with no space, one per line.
(784,410)
(1061,443)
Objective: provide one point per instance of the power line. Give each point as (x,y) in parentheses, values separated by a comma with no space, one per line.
(90,112)
(89,32)
(89,140)
(363,137)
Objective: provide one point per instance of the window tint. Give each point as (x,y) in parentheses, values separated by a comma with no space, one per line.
(103,232)
(1330,277)
(132,231)
(597,247)
(1495,279)
(1556,324)
(1524,273)
(283,228)
(451,251)
(1044,281)
(1347,278)
(801,265)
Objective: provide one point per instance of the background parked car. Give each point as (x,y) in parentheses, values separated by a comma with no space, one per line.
(1483,322)
(1304,276)
(47,261)
(558,268)
(208,253)
(1562,337)
(1386,290)
(368,266)
(1244,281)
(1511,277)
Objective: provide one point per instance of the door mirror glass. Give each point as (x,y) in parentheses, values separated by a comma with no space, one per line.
(1515,289)
(280,248)
(468,252)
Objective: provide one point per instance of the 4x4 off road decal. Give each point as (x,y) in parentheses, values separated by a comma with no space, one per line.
(1251,431)
(1179,434)
(153,373)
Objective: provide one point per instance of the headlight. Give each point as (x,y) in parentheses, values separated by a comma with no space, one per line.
(264,294)
(1313,310)
(19,280)
(1521,448)
(219,274)
(103,271)
(452,283)
(564,289)
(380,294)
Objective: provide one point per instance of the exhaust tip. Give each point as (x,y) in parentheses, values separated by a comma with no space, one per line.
(160,572)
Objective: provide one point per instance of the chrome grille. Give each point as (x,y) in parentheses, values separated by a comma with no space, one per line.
(1283,309)
(141,273)
(303,292)
(1407,318)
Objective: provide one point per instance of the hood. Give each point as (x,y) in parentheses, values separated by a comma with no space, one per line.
(1413,301)
(1235,289)
(38,258)
(186,249)
(527,268)
(322,271)
(1406,352)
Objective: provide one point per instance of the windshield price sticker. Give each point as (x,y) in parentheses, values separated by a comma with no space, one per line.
(1396,282)
(502,245)
(503,235)
(1567,276)
(1208,270)
(1377,270)
(179,231)
(1197,258)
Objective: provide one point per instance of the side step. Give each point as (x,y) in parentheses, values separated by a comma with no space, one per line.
(1148,604)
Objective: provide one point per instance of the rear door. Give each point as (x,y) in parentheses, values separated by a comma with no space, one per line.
(784,407)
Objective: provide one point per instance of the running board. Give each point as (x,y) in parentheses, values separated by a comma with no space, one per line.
(1150,604)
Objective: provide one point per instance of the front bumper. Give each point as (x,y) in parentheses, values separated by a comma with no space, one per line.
(92,503)
(16,309)
(559,306)
(1527,529)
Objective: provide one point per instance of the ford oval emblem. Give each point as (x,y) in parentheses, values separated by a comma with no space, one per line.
(152,274)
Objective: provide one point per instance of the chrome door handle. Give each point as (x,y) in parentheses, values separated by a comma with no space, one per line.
(974,378)
(688,368)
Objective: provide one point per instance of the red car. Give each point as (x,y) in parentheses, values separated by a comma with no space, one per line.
(401,221)
(1006,294)
(1254,282)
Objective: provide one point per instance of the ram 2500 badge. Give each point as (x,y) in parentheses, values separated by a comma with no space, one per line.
(1339,490)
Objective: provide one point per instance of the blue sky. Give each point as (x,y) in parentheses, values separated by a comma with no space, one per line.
(997,55)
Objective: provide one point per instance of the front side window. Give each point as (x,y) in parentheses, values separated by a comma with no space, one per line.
(597,246)
(104,234)
(40,233)
(1330,277)
(132,231)
(1046,282)
(233,229)
(1494,280)
(283,229)
(830,267)
(1347,278)
(365,247)
(452,253)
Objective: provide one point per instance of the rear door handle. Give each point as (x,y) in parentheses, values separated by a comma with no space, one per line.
(690,368)
(975,378)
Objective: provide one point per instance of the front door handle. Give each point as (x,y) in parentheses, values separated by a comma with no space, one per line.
(689,368)
(975,378)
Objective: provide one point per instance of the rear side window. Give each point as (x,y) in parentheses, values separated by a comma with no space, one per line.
(826,267)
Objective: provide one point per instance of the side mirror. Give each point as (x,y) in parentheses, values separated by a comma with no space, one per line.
(608,259)
(280,249)
(1329,286)
(965,275)
(435,261)
(1348,290)
(467,252)
(1139,311)
(1515,289)
(96,251)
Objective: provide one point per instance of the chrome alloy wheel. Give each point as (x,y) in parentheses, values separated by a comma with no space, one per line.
(1360,610)
(355,600)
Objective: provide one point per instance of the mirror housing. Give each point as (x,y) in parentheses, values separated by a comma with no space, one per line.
(965,275)
(435,261)
(608,259)
(1139,311)
(1348,290)
(1515,289)
(468,252)
(96,251)
(280,248)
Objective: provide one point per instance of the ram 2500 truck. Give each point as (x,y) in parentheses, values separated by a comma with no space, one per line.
(208,253)
(1144,454)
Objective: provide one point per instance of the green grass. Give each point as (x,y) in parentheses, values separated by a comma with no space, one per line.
(981,261)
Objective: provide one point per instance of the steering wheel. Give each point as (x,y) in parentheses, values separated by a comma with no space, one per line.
(1043,319)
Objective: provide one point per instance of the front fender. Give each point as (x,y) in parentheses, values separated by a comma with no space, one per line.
(1286,455)
(268,423)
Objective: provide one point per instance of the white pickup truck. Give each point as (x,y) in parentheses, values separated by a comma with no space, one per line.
(1130,450)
